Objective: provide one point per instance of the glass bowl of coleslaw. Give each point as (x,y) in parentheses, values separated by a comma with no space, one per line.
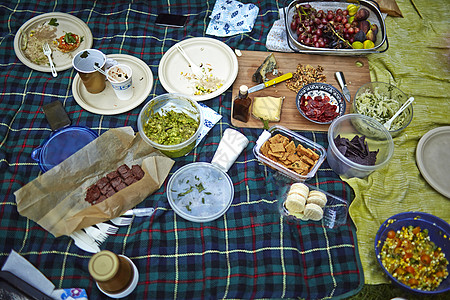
(380,100)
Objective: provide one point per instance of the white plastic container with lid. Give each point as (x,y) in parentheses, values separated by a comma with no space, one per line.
(201,191)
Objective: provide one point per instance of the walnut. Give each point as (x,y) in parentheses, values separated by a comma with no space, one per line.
(305,75)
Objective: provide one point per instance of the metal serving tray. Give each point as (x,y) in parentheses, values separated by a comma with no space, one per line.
(375,17)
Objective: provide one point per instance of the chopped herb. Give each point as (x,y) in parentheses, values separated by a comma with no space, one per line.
(196,177)
(200,187)
(186,192)
(203,200)
(188,207)
(85,54)
(53,22)
(208,193)
(69,38)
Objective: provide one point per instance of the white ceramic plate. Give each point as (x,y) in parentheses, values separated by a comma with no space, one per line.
(201,50)
(106,102)
(433,158)
(67,23)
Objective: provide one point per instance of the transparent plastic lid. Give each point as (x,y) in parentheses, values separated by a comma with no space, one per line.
(62,144)
(200,192)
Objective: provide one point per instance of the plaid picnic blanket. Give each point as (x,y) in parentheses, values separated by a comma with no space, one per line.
(251,252)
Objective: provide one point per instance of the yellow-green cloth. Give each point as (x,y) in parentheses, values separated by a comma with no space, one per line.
(417,62)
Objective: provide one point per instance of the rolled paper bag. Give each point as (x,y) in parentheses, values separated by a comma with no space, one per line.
(230,146)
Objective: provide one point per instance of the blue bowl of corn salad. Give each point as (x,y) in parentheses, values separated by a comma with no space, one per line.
(413,249)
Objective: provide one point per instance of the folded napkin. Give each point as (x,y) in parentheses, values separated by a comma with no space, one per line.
(277,36)
(230,17)
(211,117)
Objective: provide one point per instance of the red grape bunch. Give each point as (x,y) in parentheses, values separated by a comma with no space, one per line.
(329,29)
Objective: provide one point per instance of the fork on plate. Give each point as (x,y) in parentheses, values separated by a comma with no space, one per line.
(194,68)
(48,53)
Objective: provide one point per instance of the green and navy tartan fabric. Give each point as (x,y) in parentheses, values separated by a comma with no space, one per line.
(249,253)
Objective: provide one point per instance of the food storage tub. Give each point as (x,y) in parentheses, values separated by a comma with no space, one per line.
(298,139)
(376,136)
(171,102)
(375,17)
(334,213)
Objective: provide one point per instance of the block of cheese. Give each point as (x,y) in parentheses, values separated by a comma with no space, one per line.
(267,66)
(267,108)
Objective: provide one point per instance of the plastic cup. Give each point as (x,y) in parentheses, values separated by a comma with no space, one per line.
(84,62)
(120,77)
(376,136)
(230,146)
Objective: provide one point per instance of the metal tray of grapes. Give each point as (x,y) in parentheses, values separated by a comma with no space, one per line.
(335,43)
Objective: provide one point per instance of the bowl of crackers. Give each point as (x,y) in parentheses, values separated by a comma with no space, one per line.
(289,153)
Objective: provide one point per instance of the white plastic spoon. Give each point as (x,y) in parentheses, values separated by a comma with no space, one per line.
(104,73)
(388,124)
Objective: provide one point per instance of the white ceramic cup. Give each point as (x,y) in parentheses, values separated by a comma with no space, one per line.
(120,77)
(130,288)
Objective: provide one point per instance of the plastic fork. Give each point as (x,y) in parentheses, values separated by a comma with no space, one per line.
(121,221)
(194,68)
(48,53)
(388,124)
(107,228)
(95,233)
(84,241)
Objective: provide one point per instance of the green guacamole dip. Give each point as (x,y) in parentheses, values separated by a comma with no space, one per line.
(171,128)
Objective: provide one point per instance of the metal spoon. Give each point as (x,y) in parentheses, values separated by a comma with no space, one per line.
(388,124)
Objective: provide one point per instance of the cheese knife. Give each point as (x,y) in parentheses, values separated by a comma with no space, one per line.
(269,83)
(341,80)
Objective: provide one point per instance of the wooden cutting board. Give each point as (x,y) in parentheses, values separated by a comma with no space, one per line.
(356,71)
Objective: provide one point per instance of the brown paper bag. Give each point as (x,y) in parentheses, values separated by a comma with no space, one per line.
(55,200)
(389,7)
